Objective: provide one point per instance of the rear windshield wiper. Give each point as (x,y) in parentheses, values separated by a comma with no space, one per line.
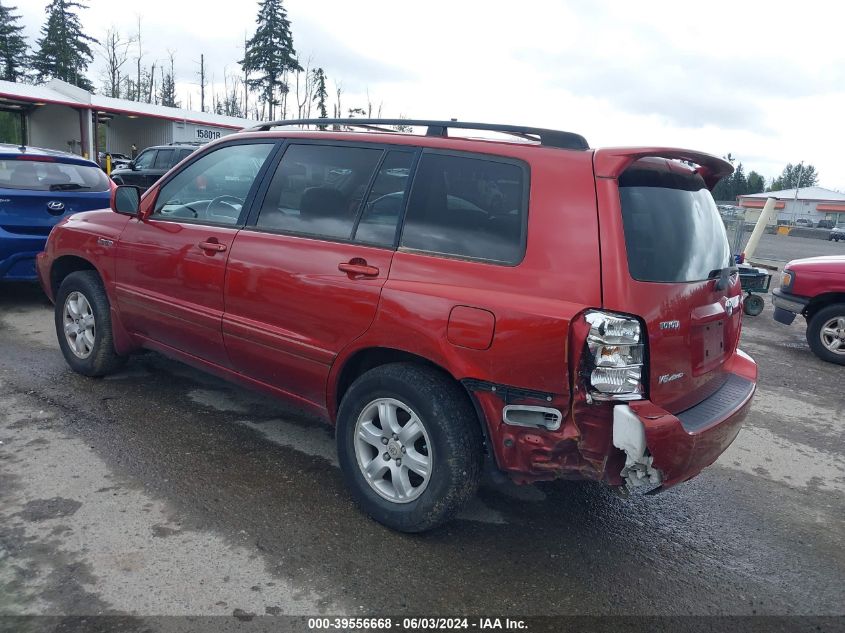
(67,186)
(724,276)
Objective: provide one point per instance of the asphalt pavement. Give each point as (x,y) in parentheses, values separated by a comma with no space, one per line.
(164,491)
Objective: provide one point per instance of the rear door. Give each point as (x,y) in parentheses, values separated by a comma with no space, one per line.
(171,266)
(666,259)
(304,278)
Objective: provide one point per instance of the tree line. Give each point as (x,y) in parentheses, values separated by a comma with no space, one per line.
(273,83)
(740,184)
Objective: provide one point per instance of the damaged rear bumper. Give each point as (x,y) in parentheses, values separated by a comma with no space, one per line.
(663,449)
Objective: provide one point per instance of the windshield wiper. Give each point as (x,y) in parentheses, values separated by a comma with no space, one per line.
(724,275)
(67,186)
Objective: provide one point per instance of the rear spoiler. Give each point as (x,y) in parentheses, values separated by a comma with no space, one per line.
(612,161)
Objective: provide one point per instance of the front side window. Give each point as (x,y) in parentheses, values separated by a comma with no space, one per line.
(468,207)
(673,231)
(318,189)
(37,175)
(214,187)
(145,159)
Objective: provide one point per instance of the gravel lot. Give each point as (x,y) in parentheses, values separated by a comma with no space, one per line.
(163,491)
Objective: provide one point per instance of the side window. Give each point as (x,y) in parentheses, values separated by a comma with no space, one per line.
(181,155)
(386,200)
(213,188)
(318,189)
(467,207)
(163,158)
(145,159)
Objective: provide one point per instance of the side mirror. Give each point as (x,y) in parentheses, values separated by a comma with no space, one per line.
(126,200)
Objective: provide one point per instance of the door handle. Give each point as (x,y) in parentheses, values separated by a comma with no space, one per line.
(212,247)
(358,267)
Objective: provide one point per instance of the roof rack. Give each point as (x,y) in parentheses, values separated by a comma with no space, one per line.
(550,138)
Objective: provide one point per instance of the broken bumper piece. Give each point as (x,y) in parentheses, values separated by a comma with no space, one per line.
(664,449)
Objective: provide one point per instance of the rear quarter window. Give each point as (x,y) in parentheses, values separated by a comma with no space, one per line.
(468,207)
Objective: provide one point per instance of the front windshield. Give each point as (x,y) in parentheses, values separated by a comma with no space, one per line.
(673,231)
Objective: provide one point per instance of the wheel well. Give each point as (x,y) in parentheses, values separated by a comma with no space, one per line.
(367,359)
(64,266)
(820,301)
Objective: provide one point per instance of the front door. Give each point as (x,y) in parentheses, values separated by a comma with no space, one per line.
(171,265)
(137,175)
(305,275)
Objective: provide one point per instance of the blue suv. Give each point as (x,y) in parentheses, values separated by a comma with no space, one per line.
(38,187)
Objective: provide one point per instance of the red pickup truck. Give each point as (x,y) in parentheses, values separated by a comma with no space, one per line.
(815,288)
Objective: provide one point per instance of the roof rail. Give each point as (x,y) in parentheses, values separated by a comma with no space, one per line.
(550,138)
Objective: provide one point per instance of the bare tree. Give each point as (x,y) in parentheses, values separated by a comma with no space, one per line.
(303,104)
(203,83)
(137,95)
(114,51)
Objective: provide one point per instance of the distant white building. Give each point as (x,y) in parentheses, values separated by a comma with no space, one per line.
(58,115)
(811,203)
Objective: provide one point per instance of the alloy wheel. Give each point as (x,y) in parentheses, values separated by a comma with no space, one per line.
(393,450)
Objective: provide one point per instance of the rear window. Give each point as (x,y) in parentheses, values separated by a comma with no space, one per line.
(468,207)
(673,231)
(36,175)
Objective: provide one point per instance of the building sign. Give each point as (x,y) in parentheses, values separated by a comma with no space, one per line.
(205,134)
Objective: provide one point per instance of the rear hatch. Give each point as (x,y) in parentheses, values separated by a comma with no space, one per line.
(669,263)
(35,194)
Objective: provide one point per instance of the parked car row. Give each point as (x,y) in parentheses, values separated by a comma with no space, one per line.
(450,304)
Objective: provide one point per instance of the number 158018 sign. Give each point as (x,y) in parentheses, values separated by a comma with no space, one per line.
(204,134)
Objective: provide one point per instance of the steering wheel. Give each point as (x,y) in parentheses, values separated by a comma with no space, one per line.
(229,201)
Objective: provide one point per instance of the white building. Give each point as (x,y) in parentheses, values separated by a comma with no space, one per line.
(58,115)
(811,203)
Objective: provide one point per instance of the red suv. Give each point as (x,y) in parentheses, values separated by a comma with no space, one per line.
(535,306)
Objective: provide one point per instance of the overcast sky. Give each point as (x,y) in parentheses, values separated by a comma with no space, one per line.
(762,80)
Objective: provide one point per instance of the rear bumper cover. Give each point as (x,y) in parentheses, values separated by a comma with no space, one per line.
(17,255)
(682,445)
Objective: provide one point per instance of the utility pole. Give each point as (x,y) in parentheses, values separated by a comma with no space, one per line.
(797,187)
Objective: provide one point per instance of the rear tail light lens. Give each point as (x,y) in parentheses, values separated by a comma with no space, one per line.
(615,352)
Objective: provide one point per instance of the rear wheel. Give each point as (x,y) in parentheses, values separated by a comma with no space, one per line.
(753,305)
(83,325)
(409,446)
(826,333)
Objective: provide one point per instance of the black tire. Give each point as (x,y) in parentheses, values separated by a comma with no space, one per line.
(753,305)
(814,333)
(449,419)
(102,359)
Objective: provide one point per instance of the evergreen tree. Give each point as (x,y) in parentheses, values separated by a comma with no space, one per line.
(320,92)
(13,56)
(167,92)
(793,176)
(64,50)
(756,183)
(269,54)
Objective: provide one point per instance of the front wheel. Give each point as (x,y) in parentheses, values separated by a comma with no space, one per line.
(409,446)
(826,333)
(83,325)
